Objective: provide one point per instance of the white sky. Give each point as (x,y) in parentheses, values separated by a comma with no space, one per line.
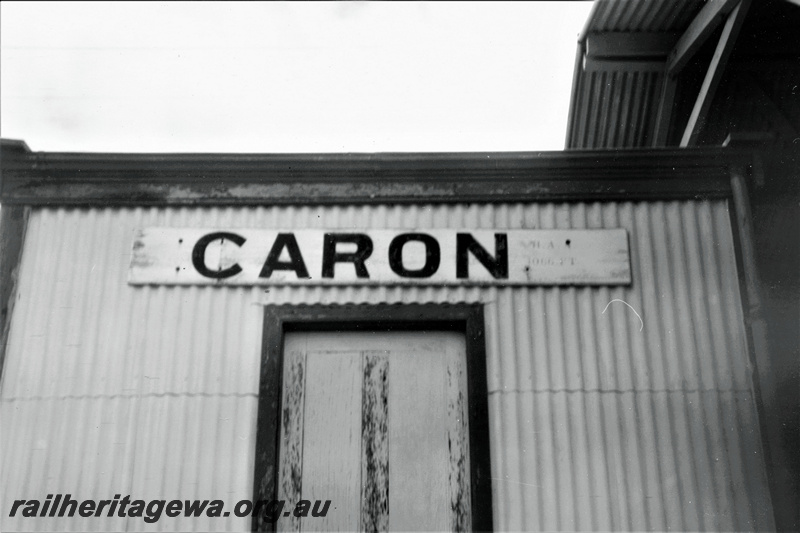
(287,76)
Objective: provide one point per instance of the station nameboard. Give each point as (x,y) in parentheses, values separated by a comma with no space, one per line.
(192,256)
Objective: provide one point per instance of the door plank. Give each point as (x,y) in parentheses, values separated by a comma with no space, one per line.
(458,438)
(419,461)
(332,439)
(291,447)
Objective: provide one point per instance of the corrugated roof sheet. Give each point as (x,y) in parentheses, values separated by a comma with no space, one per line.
(598,421)
(642,15)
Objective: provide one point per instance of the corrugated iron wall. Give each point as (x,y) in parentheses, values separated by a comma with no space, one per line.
(627,408)
(614,107)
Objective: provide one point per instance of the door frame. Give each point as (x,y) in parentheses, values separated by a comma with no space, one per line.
(463,318)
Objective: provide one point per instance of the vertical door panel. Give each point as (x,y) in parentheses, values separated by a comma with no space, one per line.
(418,456)
(291,444)
(332,439)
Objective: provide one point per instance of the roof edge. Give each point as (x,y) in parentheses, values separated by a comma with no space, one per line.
(103,179)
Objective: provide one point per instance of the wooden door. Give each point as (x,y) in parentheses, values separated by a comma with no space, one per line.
(377,423)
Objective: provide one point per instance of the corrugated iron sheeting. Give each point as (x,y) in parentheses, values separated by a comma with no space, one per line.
(598,420)
(643,15)
(614,104)
(616,108)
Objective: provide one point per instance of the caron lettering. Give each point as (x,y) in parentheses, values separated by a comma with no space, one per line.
(352,251)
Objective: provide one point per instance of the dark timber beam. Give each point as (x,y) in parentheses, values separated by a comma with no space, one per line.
(714,73)
(629,45)
(699,30)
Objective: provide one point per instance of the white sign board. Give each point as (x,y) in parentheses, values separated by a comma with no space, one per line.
(190,256)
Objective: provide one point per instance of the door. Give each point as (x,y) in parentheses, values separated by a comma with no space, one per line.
(377,423)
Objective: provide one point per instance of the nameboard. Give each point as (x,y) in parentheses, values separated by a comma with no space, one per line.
(235,256)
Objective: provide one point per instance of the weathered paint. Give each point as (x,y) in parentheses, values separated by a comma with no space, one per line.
(375,443)
(384,430)
(597,421)
(291,447)
(458,446)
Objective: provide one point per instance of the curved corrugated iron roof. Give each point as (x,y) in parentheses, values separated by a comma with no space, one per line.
(620,74)
(614,105)
(642,15)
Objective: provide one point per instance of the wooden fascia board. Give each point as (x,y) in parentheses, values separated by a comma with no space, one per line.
(622,45)
(608,64)
(698,31)
(346,179)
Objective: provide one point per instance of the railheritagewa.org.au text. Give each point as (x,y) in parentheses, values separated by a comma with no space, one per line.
(64,505)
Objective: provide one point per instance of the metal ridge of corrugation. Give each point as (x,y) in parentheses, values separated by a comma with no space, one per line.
(598,420)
